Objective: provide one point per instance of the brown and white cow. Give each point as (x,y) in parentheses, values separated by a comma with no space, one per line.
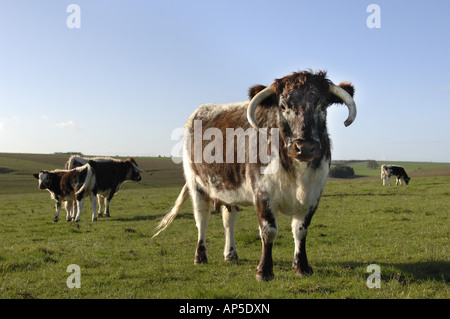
(68,186)
(293,111)
(110,174)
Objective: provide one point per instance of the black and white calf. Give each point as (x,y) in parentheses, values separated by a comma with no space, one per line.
(110,173)
(68,186)
(392,170)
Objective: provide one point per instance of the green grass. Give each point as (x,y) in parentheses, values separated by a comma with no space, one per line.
(404,230)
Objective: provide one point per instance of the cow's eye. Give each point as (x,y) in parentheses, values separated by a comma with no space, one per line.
(283,105)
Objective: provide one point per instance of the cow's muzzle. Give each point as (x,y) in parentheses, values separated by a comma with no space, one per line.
(304,151)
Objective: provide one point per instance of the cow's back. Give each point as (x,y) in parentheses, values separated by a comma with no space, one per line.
(109,174)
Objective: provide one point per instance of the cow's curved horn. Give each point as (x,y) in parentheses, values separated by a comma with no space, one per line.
(256,100)
(347,99)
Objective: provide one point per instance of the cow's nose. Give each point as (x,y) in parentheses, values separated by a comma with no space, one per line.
(304,151)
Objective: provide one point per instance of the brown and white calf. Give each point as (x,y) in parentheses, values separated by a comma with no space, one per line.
(286,120)
(110,174)
(68,186)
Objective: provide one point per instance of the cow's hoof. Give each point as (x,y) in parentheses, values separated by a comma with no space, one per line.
(264,277)
(55,220)
(200,254)
(231,257)
(200,259)
(304,272)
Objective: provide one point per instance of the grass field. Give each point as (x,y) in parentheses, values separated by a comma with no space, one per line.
(404,230)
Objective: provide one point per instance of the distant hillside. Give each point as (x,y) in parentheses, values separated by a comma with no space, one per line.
(16,170)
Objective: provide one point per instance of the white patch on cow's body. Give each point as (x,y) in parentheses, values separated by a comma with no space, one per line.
(211,110)
(295,194)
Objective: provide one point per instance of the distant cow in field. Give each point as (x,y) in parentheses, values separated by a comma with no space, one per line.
(388,170)
(68,186)
(110,173)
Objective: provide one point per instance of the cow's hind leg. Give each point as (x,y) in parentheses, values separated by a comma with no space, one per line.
(101,200)
(107,201)
(80,204)
(94,206)
(71,209)
(300,226)
(268,231)
(229,216)
(201,205)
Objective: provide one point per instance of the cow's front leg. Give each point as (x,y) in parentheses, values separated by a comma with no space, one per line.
(57,208)
(229,216)
(201,205)
(268,231)
(300,226)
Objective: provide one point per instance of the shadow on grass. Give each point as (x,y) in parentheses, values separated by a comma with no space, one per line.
(436,270)
(358,194)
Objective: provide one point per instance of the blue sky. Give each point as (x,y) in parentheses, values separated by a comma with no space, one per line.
(135,70)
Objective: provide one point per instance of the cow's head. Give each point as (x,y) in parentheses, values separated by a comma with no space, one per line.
(407,179)
(302,100)
(44,179)
(134,170)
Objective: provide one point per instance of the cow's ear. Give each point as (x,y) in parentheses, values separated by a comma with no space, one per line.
(270,101)
(255,90)
(347,87)
(36,176)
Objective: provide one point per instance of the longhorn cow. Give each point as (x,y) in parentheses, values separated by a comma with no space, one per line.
(293,111)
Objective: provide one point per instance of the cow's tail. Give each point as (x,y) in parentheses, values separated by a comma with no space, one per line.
(168,219)
(89,179)
(70,163)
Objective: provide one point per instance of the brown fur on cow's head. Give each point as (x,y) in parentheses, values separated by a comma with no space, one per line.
(134,169)
(302,80)
(302,99)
